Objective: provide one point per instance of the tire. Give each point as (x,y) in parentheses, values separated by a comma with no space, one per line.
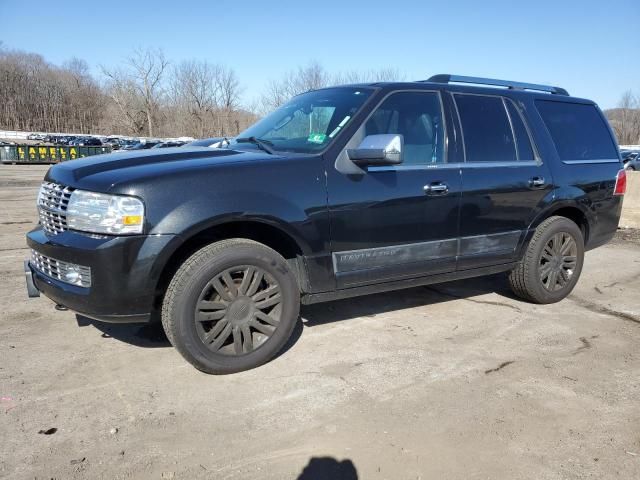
(236,288)
(551,264)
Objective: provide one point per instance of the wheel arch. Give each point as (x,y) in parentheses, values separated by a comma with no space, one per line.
(570,209)
(264,231)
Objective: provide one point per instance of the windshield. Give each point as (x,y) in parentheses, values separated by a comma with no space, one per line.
(308,122)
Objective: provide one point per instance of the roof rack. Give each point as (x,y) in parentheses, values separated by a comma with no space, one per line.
(446,78)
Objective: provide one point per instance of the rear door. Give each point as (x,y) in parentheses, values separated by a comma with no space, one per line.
(504,180)
(401,221)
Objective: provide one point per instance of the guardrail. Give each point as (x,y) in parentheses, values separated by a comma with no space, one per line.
(47,153)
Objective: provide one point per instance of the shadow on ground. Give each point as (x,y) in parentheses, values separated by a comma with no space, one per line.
(328,468)
(377,304)
(152,336)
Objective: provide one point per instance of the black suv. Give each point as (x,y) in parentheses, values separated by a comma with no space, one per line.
(342,191)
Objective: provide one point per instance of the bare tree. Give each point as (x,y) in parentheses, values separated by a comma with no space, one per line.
(35,95)
(205,99)
(314,76)
(143,79)
(625,119)
(194,93)
(310,77)
(387,74)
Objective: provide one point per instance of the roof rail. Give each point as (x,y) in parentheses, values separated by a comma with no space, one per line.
(446,78)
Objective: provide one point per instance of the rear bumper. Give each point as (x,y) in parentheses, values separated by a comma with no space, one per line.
(124,273)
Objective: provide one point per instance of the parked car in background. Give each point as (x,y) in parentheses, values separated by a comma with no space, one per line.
(113,142)
(36,136)
(213,142)
(141,146)
(169,144)
(630,159)
(86,142)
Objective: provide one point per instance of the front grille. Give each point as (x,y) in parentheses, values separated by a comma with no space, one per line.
(63,271)
(53,200)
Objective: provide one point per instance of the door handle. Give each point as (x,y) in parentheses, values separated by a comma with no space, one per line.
(536,182)
(436,188)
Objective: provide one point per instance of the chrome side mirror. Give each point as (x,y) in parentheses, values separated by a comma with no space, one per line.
(377,150)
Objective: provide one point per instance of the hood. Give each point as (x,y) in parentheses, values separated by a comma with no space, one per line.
(100,173)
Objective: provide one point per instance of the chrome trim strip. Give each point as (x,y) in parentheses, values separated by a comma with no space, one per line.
(496,242)
(347,261)
(368,258)
(600,160)
(438,166)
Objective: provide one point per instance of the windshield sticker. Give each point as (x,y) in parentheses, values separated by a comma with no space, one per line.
(317,138)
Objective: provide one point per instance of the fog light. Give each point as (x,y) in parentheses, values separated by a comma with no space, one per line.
(67,272)
(73,275)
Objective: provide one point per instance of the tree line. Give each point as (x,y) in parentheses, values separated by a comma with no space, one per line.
(148,95)
(145,95)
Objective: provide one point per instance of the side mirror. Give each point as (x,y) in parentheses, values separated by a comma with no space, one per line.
(377,150)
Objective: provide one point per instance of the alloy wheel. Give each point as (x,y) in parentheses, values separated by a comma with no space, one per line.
(238,310)
(558,261)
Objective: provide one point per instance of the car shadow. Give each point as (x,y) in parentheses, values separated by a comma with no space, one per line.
(380,303)
(152,335)
(146,335)
(328,468)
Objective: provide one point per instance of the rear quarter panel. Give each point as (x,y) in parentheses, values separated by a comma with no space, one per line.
(586,186)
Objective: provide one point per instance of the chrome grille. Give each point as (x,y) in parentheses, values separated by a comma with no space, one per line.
(53,200)
(60,270)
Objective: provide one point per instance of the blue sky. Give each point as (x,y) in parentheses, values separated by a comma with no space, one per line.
(592,48)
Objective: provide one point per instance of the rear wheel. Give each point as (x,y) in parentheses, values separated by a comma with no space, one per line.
(552,263)
(231,306)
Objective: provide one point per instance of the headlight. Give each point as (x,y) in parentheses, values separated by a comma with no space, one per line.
(101,213)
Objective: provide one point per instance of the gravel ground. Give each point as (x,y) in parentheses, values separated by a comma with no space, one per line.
(452,381)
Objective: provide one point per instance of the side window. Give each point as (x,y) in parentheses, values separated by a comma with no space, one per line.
(418,118)
(486,129)
(577,130)
(523,141)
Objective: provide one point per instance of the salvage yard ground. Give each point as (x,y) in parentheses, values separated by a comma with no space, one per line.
(452,381)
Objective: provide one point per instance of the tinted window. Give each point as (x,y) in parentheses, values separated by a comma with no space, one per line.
(578,130)
(418,118)
(485,128)
(523,142)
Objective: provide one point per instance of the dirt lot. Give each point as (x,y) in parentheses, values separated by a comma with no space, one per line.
(455,381)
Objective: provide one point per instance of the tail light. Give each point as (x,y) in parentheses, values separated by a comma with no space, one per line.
(621,183)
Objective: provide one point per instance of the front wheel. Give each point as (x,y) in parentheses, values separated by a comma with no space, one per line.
(231,306)
(552,263)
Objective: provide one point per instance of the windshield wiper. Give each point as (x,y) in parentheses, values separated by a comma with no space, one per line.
(262,144)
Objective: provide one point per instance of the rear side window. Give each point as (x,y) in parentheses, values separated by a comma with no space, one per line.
(523,142)
(486,129)
(578,130)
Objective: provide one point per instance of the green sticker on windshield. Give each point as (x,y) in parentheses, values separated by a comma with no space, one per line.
(317,138)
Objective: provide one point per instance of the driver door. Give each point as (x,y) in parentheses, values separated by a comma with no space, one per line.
(401,221)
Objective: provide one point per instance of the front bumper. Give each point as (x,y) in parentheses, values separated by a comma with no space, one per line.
(124,272)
